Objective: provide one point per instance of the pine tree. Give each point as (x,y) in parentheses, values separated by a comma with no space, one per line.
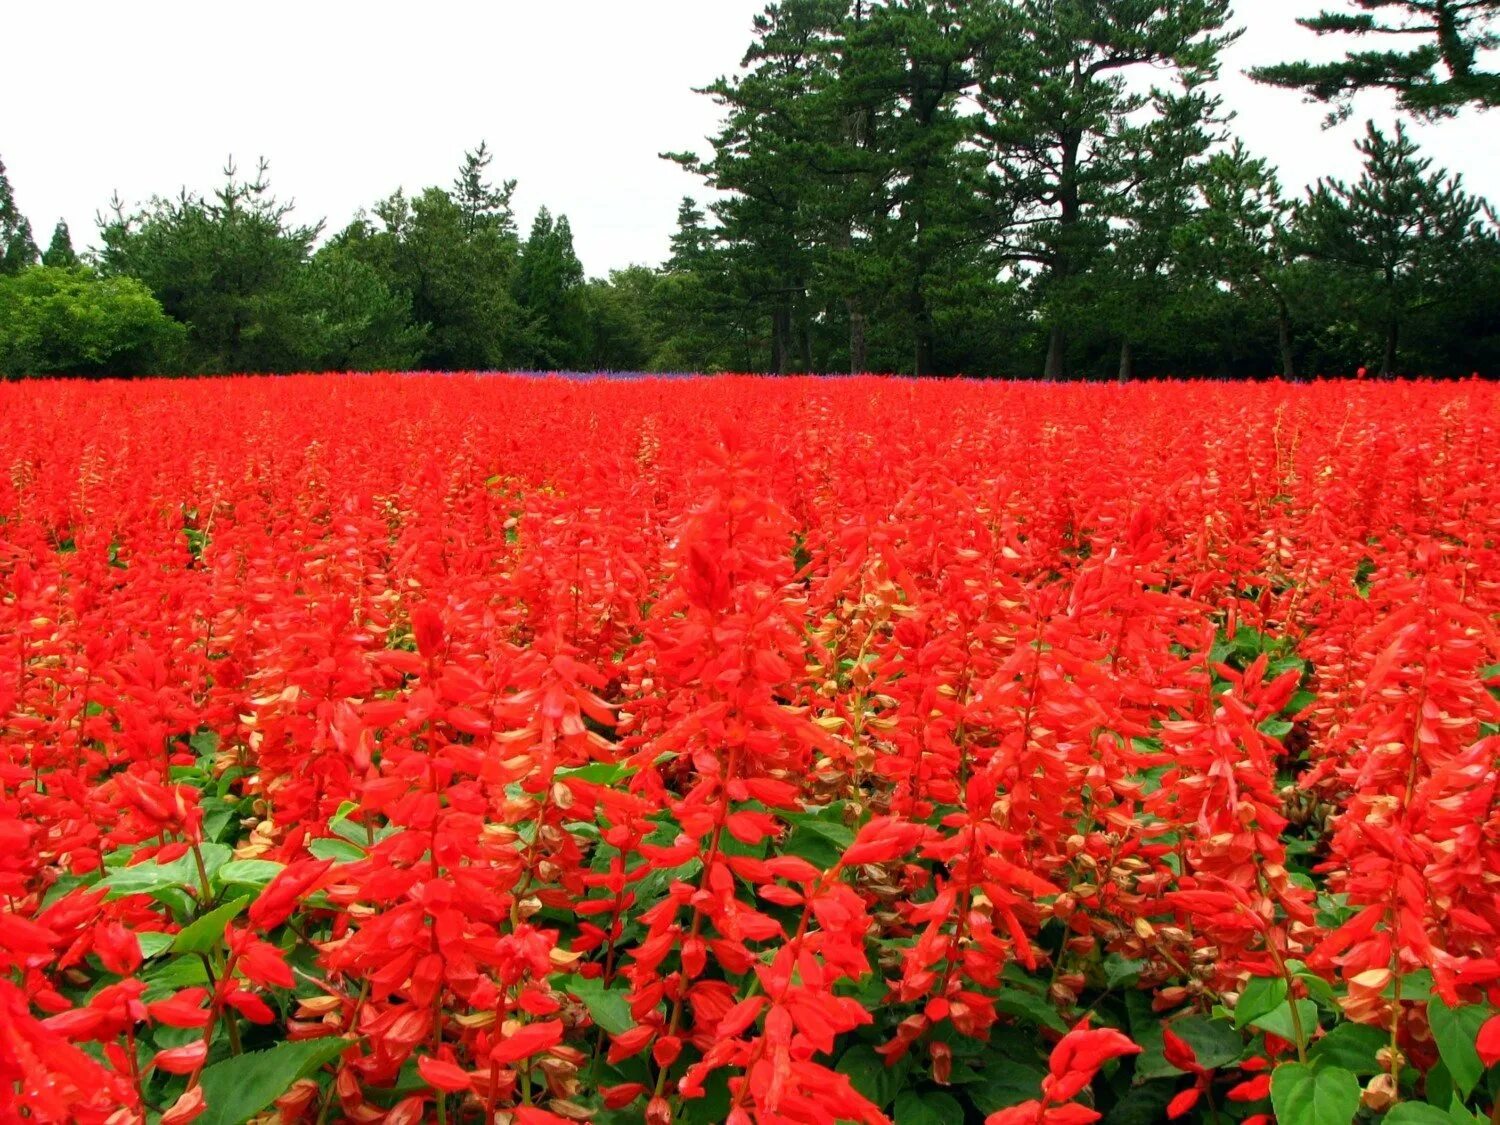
(481,204)
(1061,122)
(910,175)
(227,265)
(60,250)
(1168,157)
(766,226)
(1398,229)
(692,241)
(1433,78)
(17,248)
(1240,235)
(547,287)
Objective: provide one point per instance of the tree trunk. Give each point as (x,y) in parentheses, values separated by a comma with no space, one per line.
(779,326)
(1284,338)
(1392,337)
(922,344)
(804,338)
(1069,215)
(1127,362)
(1057,355)
(858,350)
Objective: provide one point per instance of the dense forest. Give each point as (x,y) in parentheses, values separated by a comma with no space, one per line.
(1012,188)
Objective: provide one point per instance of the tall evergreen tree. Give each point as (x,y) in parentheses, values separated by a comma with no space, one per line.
(765,224)
(17,247)
(449,258)
(1399,229)
(60,252)
(1164,168)
(689,308)
(1240,236)
(1062,123)
(226,265)
(482,204)
(907,70)
(692,241)
(1432,78)
(547,287)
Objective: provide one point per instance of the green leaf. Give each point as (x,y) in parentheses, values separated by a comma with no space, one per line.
(1260,996)
(1278,1021)
(608,1006)
(166,977)
(208,931)
(216,818)
(1417,1113)
(1145,1104)
(711,1109)
(331,847)
(867,1073)
(238,1088)
(1005,1084)
(1439,1085)
(256,873)
(1120,970)
(154,943)
(935,1108)
(821,837)
(1455,1030)
(598,773)
(1416,988)
(1352,1046)
(1031,1007)
(1319,990)
(152,878)
(1214,1042)
(1308,1095)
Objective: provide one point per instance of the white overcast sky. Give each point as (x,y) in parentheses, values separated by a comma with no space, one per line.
(575,97)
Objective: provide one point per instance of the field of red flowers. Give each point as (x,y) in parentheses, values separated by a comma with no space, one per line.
(485,749)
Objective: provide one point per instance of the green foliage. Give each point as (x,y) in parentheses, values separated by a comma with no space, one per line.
(1240,236)
(1353,1046)
(449,261)
(359,320)
(226,266)
(17,248)
(987,187)
(206,932)
(548,287)
(1314,1095)
(932,1107)
(1077,149)
(238,1088)
(60,253)
(1402,234)
(609,1007)
(1431,78)
(1455,1030)
(57,321)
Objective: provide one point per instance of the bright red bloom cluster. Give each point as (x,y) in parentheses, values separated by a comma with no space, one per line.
(485,749)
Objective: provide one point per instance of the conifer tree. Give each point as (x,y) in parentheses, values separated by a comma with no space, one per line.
(60,250)
(1399,229)
(17,248)
(1063,123)
(1432,78)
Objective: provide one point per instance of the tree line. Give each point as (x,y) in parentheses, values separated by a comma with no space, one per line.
(987,187)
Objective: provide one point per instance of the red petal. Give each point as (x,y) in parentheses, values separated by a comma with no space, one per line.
(1488,1043)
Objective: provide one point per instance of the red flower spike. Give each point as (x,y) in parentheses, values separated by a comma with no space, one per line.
(1488,1041)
